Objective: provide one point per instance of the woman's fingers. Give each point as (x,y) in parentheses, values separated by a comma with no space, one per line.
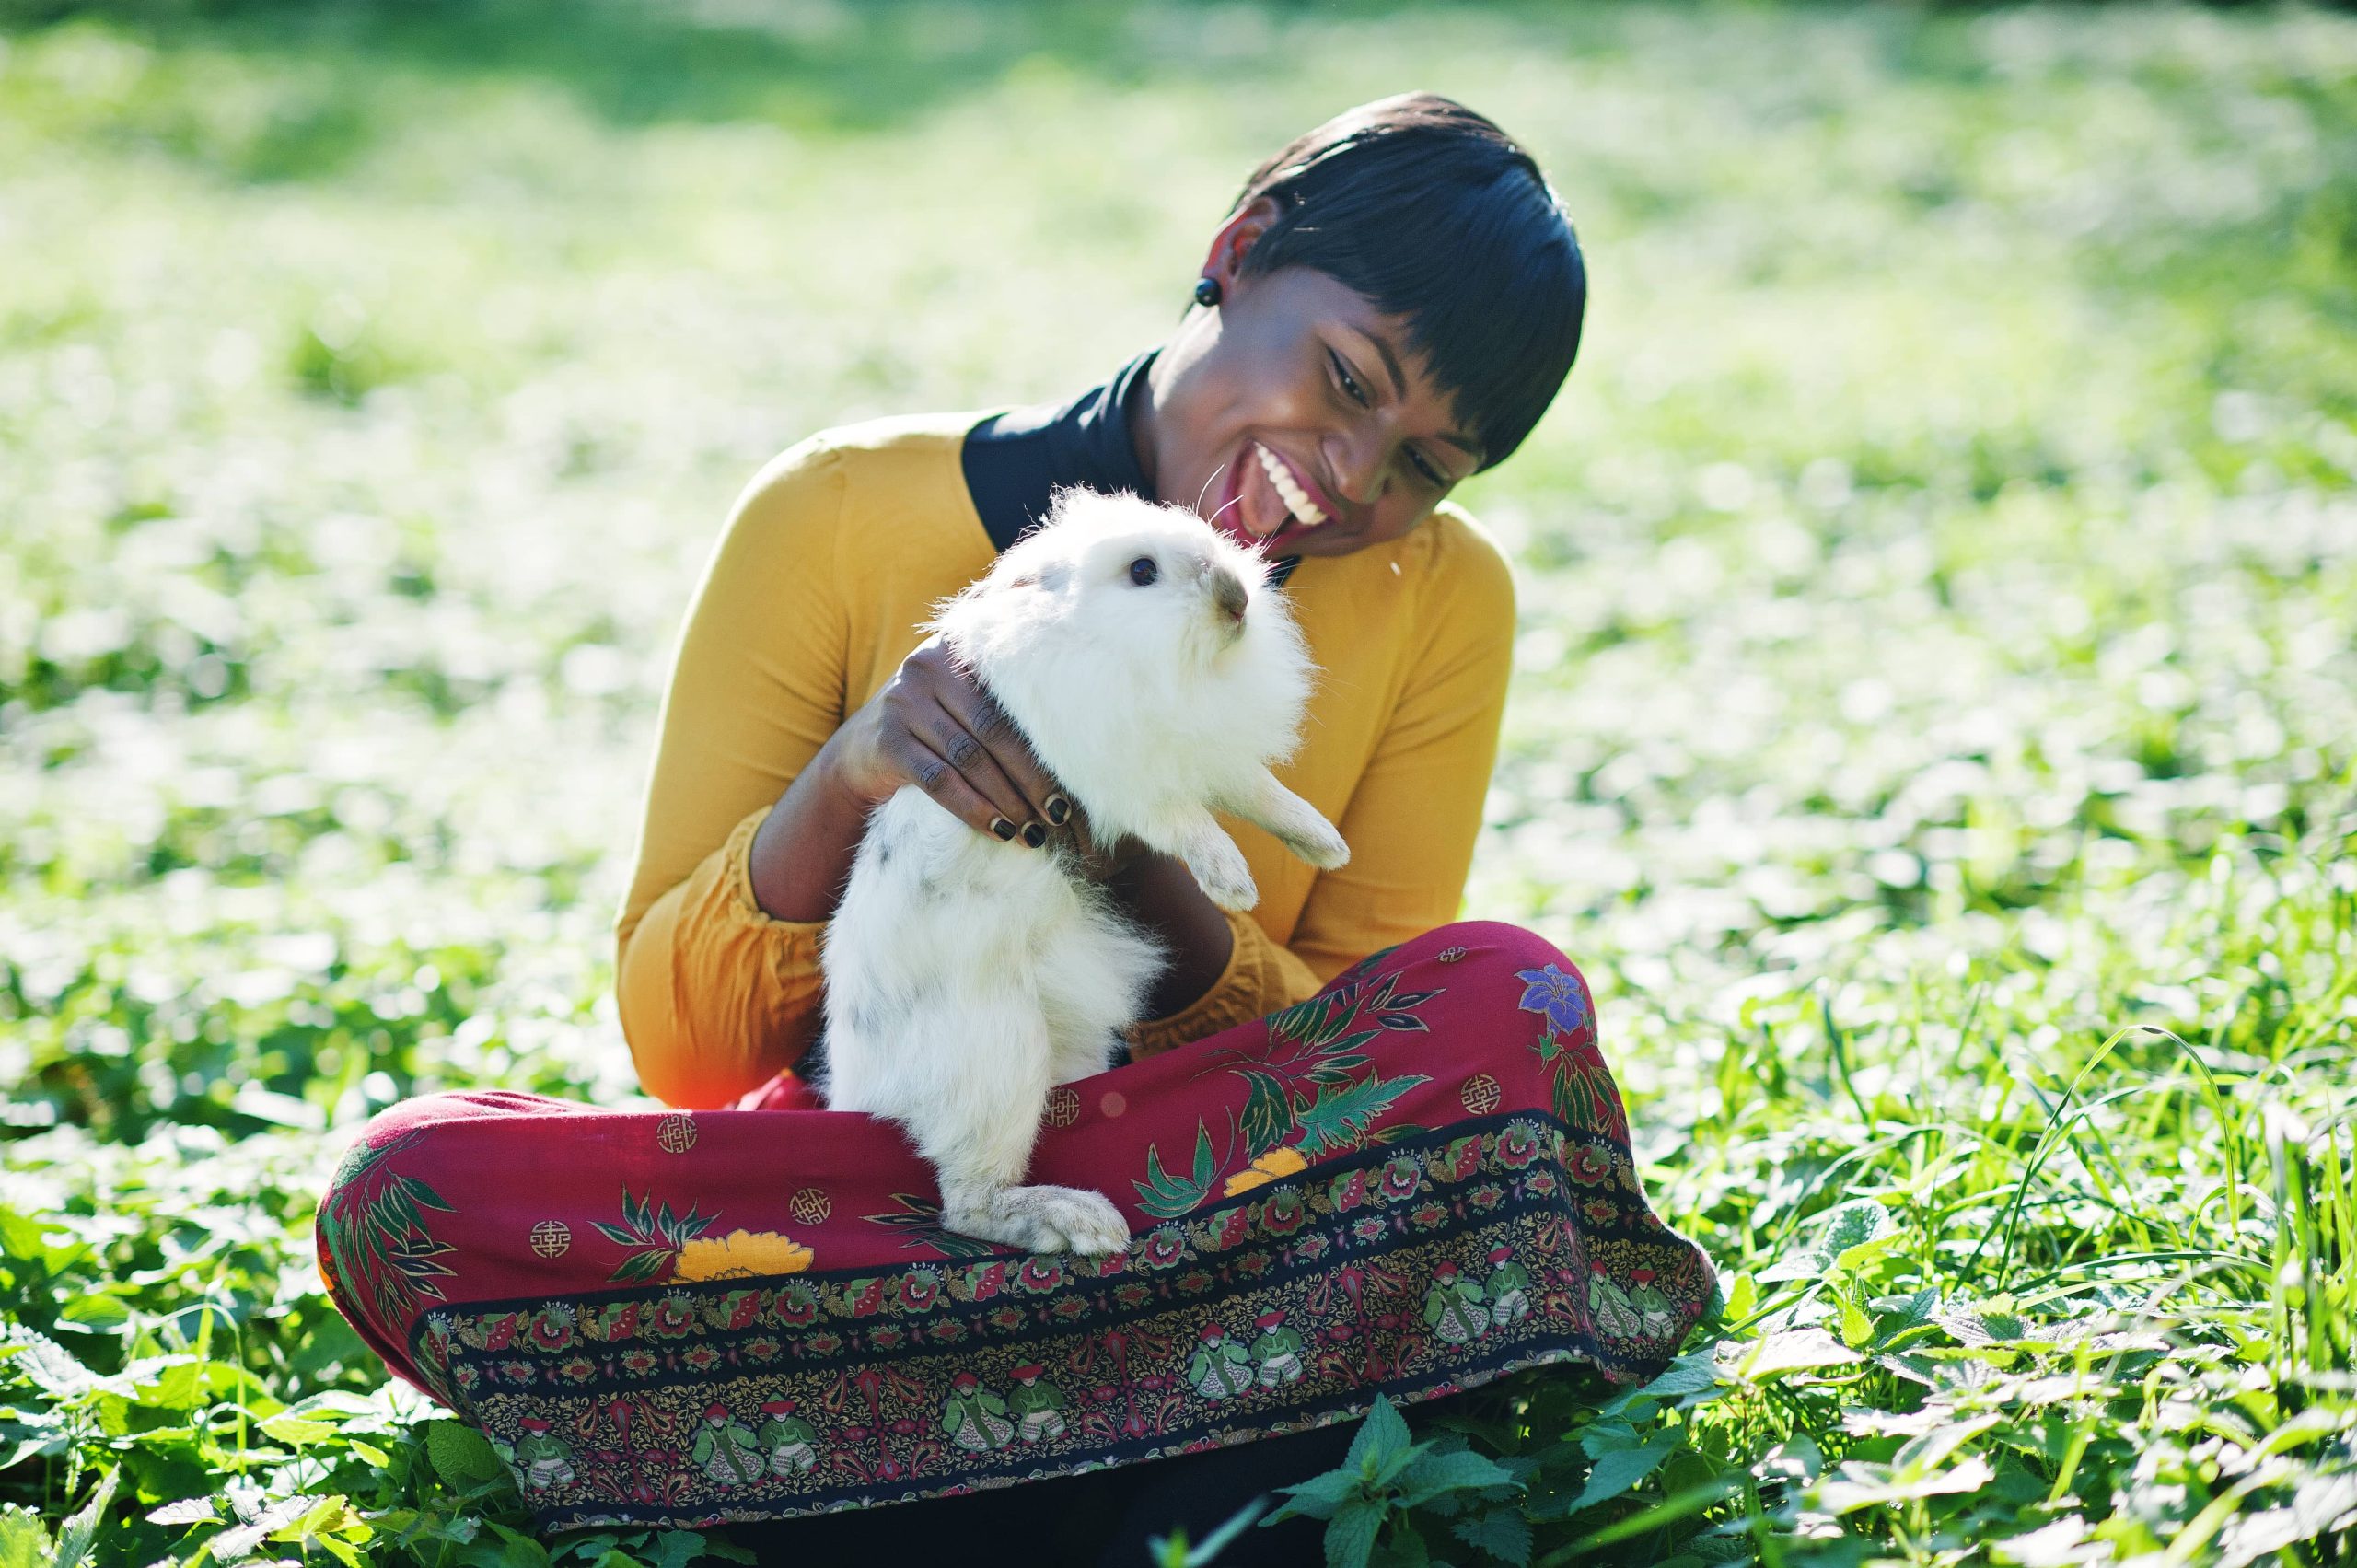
(975,762)
(962,696)
(949,716)
(932,773)
(988,722)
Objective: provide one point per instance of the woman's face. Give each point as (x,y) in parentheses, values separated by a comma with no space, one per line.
(1294,412)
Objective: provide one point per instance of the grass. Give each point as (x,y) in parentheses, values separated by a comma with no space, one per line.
(1936,730)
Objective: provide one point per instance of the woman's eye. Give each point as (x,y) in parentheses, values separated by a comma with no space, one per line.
(1143,571)
(1351,387)
(1432,476)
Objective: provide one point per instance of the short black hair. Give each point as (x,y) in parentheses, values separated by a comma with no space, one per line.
(1439,217)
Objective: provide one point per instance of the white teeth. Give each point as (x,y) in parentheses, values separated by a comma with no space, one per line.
(1296,500)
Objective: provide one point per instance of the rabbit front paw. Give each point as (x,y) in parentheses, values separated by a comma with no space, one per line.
(1320,845)
(1043,1219)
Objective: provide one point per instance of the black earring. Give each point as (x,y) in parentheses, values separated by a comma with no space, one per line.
(1207,291)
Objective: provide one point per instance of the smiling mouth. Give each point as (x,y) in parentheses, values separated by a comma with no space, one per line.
(1306,513)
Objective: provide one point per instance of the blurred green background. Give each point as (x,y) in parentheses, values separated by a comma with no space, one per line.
(1938,583)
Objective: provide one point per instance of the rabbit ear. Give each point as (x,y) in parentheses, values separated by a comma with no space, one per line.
(1051,576)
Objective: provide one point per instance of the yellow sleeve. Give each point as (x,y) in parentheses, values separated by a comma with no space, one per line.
(715,996)
(1416,811)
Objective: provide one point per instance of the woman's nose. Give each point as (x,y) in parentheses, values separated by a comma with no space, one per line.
(1356,459)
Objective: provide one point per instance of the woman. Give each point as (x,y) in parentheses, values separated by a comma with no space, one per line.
(1361,1150)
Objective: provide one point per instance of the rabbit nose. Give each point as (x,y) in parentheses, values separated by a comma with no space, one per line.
(1227,592)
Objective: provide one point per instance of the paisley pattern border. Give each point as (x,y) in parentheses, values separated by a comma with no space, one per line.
(1422,1266)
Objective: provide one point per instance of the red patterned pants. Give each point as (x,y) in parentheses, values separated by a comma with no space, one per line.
(1410,1184)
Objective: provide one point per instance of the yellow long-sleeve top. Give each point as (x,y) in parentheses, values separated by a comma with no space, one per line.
(833,557)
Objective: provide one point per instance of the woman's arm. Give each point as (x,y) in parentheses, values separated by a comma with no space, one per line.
(1161,894)
(715,993)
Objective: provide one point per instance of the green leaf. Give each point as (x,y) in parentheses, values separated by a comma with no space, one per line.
(1860,1485)
(461,1456)
(1344,1052)
(1205,1166)
(1336,1118)
(641,1267)
(1381,1437)
(1843,1238)
(1696,1372)
(504,1549)
(78,1534)
(97,1313)
(1793,1350)
(1621,1469)
(1293,1023)
(51,1366)
(1607,1435)
(24,1540)
(296,1432)
(326,1517)
(241,1539)
(1404,1548)
(1350,1535)
(675,1548)
(1318,1497)
(1857,1329)
(1503,1533)
(160,1382)
(1463,1470)
(1898,1317)
(187,1511)
(1268,1113)
(45,1242)
(1166,1196)
(591,1547)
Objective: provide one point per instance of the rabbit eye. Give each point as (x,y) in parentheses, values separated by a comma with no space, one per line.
(1143,571)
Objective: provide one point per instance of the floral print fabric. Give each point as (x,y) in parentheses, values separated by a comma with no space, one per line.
(1413,1182)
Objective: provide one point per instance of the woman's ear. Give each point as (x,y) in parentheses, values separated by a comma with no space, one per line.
(1235,238)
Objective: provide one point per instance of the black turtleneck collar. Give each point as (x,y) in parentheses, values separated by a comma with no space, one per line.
(1014,461)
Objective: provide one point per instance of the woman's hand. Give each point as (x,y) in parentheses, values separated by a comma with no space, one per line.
(934,726)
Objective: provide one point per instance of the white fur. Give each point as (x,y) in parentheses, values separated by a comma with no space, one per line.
(966,976)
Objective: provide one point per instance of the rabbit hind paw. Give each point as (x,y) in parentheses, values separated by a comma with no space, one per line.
(1042,1219)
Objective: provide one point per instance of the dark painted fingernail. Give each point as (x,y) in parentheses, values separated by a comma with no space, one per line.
(1034,835)
(1002,827)
(1059,809)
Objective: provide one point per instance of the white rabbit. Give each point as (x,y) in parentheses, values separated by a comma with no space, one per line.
(1156,673)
